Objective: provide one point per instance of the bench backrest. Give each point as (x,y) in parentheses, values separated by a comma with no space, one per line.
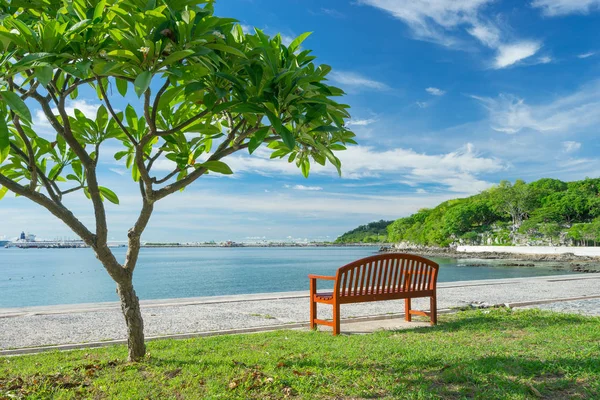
(386,273)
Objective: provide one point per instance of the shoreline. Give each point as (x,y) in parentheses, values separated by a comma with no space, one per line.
(102,323)
(489,255)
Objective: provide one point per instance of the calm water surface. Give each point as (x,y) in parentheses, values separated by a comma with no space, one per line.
(37,277)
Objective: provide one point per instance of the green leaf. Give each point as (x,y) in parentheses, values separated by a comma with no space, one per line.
(327,128)
(121,154)
(4,139)
(3,191)
(122,86)
(44,75)
(258,138)
(217,166)
(248,108)
(142,82)
(124,54)
(99,10)
(135,172)
(29,58)
(286,135)
(226,49)
(174,57)
(305,167)
(101,117)
(79,26)
(109,194)
(16,105)
(298,41)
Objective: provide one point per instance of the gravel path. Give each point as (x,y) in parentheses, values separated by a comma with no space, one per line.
(37,326)
(585,307)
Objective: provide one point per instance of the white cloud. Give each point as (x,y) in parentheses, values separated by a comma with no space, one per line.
(247,29)
(442,22)
(422,104)
(356,81)
(544,60)
(435,91)
(361,122)
(510,114)
(309,188)
(553,8)
(421,191)
(513,53)
(586,55)
(456,170)
(332,13)
(570,147)
(118,171)
(308,204)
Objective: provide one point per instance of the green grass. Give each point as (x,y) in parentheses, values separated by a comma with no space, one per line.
(497,354)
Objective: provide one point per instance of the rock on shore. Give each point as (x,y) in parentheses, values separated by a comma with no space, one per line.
(583,262)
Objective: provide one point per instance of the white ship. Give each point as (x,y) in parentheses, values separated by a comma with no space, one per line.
(28,241)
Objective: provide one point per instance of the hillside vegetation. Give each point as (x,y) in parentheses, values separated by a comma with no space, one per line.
(374,232)
(544,212)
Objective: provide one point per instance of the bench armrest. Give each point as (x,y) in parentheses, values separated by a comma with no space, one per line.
(327,278)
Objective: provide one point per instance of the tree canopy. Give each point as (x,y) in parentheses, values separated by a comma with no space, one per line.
(195,89)
(373,232)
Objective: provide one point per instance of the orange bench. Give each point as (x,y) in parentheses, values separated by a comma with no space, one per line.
(381,277)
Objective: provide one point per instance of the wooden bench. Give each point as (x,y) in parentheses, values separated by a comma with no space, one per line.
(381,277)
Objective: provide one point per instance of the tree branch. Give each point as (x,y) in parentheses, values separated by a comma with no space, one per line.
(135,233)
(149,120)
(71,190)
(50,186)
(217,155)
(114,114)
(31,155)
(166,178)
(159,94)
(57,210)
(184,124)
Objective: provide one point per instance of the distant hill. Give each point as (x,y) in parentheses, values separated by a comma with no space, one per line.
(374,232)
(544,212)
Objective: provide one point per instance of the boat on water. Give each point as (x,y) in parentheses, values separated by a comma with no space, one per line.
(29,241)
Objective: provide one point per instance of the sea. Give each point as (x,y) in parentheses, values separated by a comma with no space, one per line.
(42,277)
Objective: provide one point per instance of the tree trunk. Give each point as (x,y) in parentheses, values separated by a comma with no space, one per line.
(130,305)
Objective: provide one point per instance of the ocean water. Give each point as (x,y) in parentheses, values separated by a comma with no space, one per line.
(36,277)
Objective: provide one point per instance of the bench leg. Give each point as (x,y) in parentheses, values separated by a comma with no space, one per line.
(313,313)
(407,316)
(433,310)
(313,303)
(336,319)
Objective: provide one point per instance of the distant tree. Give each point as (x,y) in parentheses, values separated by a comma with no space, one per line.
(206,89)
(576,233)
(515,200)
(551,230)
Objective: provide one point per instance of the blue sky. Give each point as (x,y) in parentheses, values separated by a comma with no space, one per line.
(448,97)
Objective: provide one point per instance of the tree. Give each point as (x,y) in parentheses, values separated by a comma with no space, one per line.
(516,200)
(207,90)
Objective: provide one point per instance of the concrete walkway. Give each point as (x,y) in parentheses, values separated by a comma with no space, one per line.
(102,322)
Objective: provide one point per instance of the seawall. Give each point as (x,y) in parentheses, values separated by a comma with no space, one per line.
(578,251)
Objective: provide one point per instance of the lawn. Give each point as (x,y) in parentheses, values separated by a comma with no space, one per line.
(496,354)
